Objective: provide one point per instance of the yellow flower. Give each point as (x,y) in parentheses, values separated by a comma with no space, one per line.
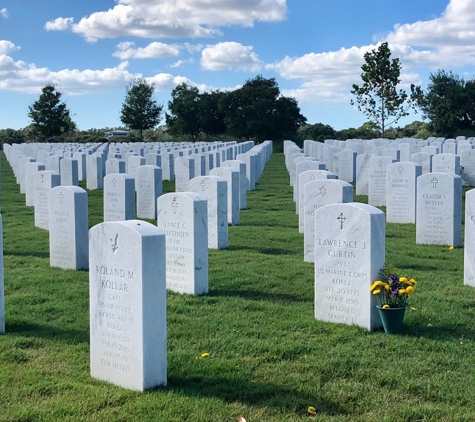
(414,309)
(401,292)
(386,286)
(451,248)
(385,306)
(403,279)
(376,284)
(376,292)
(409,290)
(205,355)
(311,410)
(413,282)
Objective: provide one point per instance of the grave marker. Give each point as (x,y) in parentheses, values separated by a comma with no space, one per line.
(128,337)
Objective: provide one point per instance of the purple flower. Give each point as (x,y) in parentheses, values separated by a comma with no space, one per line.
(392,279)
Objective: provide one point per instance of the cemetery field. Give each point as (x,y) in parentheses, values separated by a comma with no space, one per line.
(269,359)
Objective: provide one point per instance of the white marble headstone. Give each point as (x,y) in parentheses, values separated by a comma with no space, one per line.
(119,197)
(316,195)
(46,180)
(184,218)
(349,254)
(401,189)
(439,209)
(215,190)
(232,179)
(68,227)
(149,188)
(128,334)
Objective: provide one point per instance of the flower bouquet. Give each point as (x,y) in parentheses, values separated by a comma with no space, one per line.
(393,293)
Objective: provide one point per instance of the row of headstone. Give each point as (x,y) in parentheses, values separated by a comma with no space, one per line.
(91,163)
(433,155)
(433,201)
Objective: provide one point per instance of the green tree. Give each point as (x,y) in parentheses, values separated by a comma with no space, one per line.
(449,103)
(11,136)
(50,116)
(139,110)
(378,97)
(211,115)
(184,117)
(257,110)
(317,132)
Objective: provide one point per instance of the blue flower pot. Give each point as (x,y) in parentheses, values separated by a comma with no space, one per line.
(392,319)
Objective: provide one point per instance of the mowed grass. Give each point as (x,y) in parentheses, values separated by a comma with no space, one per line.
(269,358)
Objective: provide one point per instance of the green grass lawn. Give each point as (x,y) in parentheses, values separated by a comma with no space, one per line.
(269,358)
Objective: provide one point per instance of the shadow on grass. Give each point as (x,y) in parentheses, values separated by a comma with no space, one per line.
(36,254)
(232,390)
(264,251)
(438,332)
(48,332)
(259,296)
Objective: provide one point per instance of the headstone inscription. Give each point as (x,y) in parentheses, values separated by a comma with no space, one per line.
(128,336)
(304,178)
(31,176)
(349,254)
(401,191)
(119,197)
(46,180)
(184,218)
(68,227)
(184,172)
(215,190)
(149,188)
(377,180)
(316,195)
(362,173)
(439,209)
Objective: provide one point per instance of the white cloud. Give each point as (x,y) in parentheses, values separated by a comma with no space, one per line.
(22,77)
(165,82)
(180,63)
(59,24)
(444,42)
(7,47)
(452,30)
(193,48)
(228,56)
(177,19)
(4,13)
(156,50)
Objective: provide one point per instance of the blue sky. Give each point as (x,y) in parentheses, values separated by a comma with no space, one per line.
(313,48)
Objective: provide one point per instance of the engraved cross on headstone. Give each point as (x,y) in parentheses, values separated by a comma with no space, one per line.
(174,205)
(114,182)
(312,177)
(61,197)
(434,182)
(341,218)
(380,162)
(400,168)
(203,185)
